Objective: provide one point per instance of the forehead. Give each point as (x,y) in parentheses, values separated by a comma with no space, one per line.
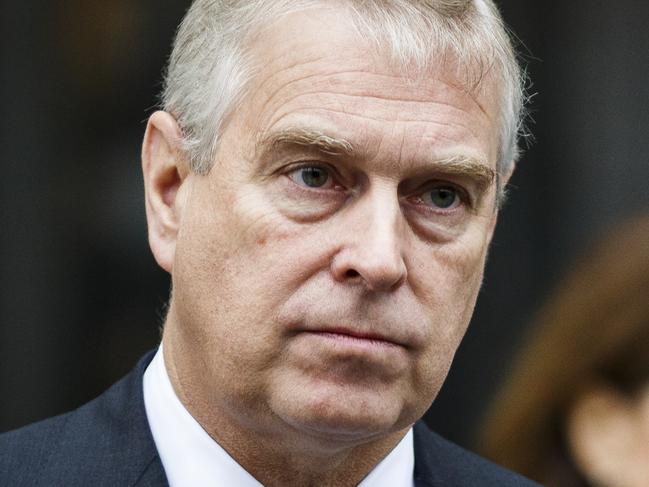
(315,67)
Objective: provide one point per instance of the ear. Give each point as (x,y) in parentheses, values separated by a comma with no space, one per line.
(504,181)
(507,176)
(607,439)
(165,169)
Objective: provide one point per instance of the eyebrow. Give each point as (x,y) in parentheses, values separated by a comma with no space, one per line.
(461,165)
(456,165)
(295,136)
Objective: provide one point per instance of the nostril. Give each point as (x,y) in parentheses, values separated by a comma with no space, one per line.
(351,273)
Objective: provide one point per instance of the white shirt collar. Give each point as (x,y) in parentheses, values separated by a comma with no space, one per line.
(191,457)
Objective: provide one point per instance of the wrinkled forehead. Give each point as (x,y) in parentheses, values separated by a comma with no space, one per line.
(315,71)
(323,46)
(340,33)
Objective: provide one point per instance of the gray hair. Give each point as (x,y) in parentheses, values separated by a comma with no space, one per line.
(209,67)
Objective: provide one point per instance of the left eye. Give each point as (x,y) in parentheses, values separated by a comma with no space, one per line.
(311,177)
(444,197)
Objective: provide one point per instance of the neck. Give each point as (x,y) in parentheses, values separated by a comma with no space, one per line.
(276,463)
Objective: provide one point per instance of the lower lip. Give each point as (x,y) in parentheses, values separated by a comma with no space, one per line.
(349,341)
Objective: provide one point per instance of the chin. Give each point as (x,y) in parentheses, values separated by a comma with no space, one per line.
(347,416)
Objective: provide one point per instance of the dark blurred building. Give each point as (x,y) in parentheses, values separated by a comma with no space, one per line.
(80,296)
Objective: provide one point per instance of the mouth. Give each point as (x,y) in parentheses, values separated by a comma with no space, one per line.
(349,337)
(345,354)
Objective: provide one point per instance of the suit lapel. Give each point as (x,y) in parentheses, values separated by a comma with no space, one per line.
(153,475)
(425,471)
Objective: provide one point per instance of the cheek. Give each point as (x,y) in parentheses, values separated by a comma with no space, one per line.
(447,279)
(449,276)
(238,266)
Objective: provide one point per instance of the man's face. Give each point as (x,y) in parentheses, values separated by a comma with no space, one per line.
(327,267)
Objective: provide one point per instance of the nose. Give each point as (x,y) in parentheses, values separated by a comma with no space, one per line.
(372,243)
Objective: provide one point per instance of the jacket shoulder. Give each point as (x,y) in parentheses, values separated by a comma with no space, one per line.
(438,462)
(25,451)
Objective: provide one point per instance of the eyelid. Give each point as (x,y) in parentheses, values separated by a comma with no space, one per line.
(465,195)
(333,172)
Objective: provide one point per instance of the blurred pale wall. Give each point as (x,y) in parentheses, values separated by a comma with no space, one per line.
(80,295)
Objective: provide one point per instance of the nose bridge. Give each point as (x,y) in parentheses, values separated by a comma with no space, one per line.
(381,216)
(373,250)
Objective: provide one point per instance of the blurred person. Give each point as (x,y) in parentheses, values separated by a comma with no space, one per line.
(322,186)
(575,409)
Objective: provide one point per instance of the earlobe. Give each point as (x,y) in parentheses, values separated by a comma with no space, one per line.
(165,170)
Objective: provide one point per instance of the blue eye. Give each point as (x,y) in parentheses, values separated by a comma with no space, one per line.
(444,197)
(311,176)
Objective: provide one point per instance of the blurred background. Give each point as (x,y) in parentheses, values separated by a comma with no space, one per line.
(81,297)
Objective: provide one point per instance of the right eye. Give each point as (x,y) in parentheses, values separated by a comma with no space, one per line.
(316,177)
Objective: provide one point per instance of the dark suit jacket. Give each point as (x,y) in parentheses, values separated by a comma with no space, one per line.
(107,442)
